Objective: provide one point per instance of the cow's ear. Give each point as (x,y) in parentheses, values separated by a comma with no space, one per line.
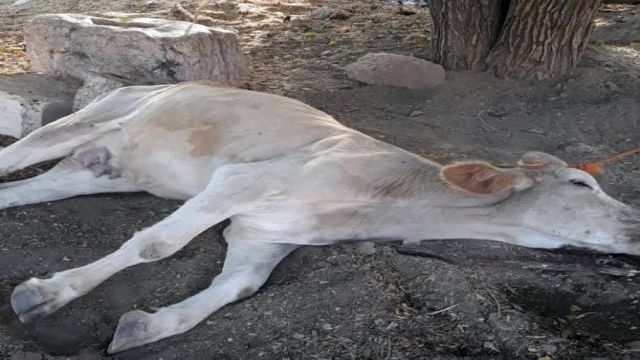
(482,179)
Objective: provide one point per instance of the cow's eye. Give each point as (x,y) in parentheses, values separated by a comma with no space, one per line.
(580,183)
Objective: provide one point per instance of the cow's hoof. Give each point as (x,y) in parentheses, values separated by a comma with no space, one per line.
(31,302)
(135,328)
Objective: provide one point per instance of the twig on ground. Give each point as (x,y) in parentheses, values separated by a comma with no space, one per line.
(181,13)
(495,300)
(198,9)
(445,309)
(483,121)
(389,350)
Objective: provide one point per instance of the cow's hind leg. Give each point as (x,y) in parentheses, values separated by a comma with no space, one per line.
(61,138)
(70,177)
(246,267)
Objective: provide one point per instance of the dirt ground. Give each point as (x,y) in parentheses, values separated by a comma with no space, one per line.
(440,300)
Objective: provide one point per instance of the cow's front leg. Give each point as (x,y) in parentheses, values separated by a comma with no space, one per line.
(229,191)
(246,267)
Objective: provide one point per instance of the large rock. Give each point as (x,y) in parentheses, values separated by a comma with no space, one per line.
(396,70)
(102,51)
(95,86)
(28,101)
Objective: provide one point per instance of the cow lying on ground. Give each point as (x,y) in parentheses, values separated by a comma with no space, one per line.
(286,175)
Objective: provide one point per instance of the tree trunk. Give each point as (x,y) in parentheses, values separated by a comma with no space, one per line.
(530,39)
(464,31)
(542,38)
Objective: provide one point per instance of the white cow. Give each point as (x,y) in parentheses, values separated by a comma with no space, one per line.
(286,175)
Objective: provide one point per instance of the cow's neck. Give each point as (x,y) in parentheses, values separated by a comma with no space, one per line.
(415,203)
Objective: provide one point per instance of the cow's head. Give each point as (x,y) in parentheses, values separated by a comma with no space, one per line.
(550,206)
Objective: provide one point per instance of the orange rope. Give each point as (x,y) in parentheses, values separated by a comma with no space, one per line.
(596,167)
(593,167)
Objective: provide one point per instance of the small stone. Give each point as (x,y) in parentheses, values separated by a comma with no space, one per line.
(489,345)
(549,349)
(498,323)
(581,148)
(406,12)
(209,322)
(327,327)
(66,259)
(377,18)
(298,336)
(396,70)
(496,113)
(320,13)
(564,94)
(612,86)
(392,325)
(340,15)
(366,248)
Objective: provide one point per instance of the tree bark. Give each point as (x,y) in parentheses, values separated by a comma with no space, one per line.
(523,39)
(542,38)
(464,31)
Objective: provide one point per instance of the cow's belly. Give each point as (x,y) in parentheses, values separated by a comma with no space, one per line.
(161,164)
(170,177)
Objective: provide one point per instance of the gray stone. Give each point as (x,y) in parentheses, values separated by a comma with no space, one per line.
(396,70)
(93,87)
(549,349)
(28,101)
(137,51)
(320,13)
(366,248)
